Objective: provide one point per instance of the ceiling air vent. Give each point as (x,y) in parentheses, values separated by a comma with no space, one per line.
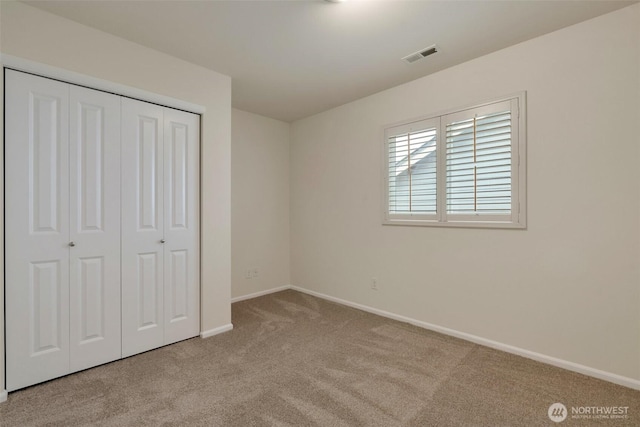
(421,54)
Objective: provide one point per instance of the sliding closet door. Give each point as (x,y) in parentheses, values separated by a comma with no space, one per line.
(142,226)
(94,166)
(181,256)
(36,229)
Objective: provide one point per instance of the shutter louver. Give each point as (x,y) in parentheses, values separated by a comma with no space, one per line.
(464,168)
(412,172)
(478,164)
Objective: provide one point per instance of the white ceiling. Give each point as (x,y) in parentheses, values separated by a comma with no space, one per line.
(291,59)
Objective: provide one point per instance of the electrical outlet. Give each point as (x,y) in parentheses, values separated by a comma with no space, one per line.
(374,284)
(247,274)
(254,272)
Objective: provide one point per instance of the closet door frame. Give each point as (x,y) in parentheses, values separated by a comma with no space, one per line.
(60,74)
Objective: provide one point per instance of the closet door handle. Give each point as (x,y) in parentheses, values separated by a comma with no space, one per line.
(72,244)
(162,241)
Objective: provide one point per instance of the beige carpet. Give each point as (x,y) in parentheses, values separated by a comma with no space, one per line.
(295,360)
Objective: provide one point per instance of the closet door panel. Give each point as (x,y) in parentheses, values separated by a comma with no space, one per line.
(142,226)
(181,257)
(94,228)
(36,229)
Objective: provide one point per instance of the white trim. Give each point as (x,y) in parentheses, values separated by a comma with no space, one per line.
(471,106)
(549,360)
(71,77)
(216,331)
(3,371)
(260,294)
(454,224)
(517,219)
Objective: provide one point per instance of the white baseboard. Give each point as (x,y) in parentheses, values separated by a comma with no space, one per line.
(571,366)
(216,331)
(3,396)
(261,293)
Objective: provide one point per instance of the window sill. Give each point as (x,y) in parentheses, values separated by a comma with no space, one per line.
(457,224)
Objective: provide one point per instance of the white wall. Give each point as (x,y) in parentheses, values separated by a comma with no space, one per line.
(259,203)
(569,285)
(38,36)
(3,393)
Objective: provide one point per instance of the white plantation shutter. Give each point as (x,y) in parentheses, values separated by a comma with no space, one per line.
(478,161)
(411,169)
(464,168)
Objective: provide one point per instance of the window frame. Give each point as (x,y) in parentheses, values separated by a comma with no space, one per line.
(517,219)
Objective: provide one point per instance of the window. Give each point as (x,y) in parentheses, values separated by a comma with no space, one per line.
(463,168)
